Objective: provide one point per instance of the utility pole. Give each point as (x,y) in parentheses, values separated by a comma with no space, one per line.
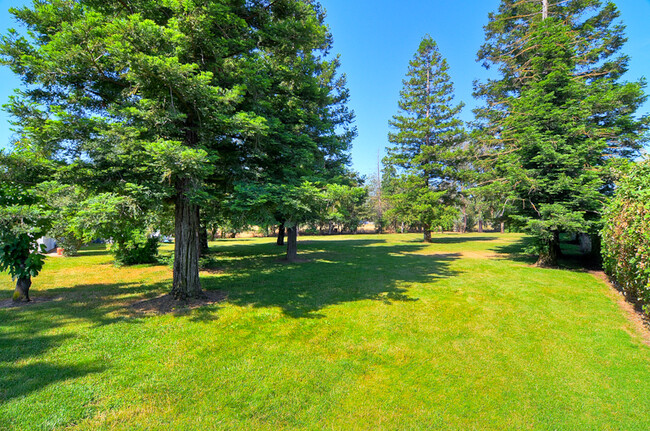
(544,9)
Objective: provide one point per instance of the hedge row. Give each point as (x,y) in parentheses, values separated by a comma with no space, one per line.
(626,234)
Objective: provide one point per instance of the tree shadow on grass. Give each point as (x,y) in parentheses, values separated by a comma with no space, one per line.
(26,344)
(461,239)
(26,333)
(516,251)
(571,259)
(335,272)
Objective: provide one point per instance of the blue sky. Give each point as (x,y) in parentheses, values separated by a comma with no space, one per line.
(377,38)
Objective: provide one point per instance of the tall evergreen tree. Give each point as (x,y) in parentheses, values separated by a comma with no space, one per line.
(153,95)
(427,138)
(557,115)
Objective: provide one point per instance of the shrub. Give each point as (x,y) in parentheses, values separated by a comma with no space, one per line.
(626,234)
(138,250)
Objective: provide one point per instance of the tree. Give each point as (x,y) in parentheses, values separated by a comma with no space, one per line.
(259,203)
(23,219)
(558,115)
(427,137)
(307,139)
(344,206)
(153,94)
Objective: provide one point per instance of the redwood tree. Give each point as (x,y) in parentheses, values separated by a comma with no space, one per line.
(151,95)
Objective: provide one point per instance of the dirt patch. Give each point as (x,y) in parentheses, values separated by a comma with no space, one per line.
(9,303)
(633,309)
(167,304)
(212,270)
(463,254)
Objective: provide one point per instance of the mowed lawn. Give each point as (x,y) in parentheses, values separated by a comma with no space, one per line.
(371,332)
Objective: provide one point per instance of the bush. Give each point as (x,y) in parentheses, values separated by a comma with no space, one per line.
(626,234)
(136,251)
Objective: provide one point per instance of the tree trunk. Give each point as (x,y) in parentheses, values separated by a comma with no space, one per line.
(480,226)
(21,294)
(503,227)
(549,256)
(427,233)
(292,243)
(281,230)
(203,236)
(464,228)
(186,251)
(596,256)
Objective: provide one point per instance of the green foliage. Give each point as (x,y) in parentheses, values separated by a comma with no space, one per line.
(138,249)
(344,206)
(23,219)
(120,220)
(427,138)
(418,205)
(626,233)
(176,102)
(557,117)
(260,203)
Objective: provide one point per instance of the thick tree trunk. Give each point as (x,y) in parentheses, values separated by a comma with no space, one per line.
(203,236)
(281,230)
(549,256)
(186,251)
(480,226)
(427,233)
(292,243)
(503,227)
(21,294)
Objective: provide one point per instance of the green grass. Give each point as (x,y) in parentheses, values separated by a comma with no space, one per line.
(373,332)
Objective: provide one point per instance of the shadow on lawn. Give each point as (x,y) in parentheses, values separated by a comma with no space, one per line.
(335,272)
(27,343)
(25,333)
(571,259)
(253,275)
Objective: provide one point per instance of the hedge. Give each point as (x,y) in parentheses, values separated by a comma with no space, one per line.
(626,234)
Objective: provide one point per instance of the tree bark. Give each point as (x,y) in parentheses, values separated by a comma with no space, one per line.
(549,256)
(503,227)
(186,282)
(427,233)
(21,294)
(480,226)
(281,230)
(292,243)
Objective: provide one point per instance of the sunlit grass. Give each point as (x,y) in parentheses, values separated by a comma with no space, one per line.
(372,332)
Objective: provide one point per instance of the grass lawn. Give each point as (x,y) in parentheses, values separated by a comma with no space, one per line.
(372,332)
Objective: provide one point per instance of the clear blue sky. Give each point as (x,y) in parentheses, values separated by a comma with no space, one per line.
(377,38)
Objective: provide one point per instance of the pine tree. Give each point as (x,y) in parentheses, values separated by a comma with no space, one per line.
(427,138)
(558,115)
